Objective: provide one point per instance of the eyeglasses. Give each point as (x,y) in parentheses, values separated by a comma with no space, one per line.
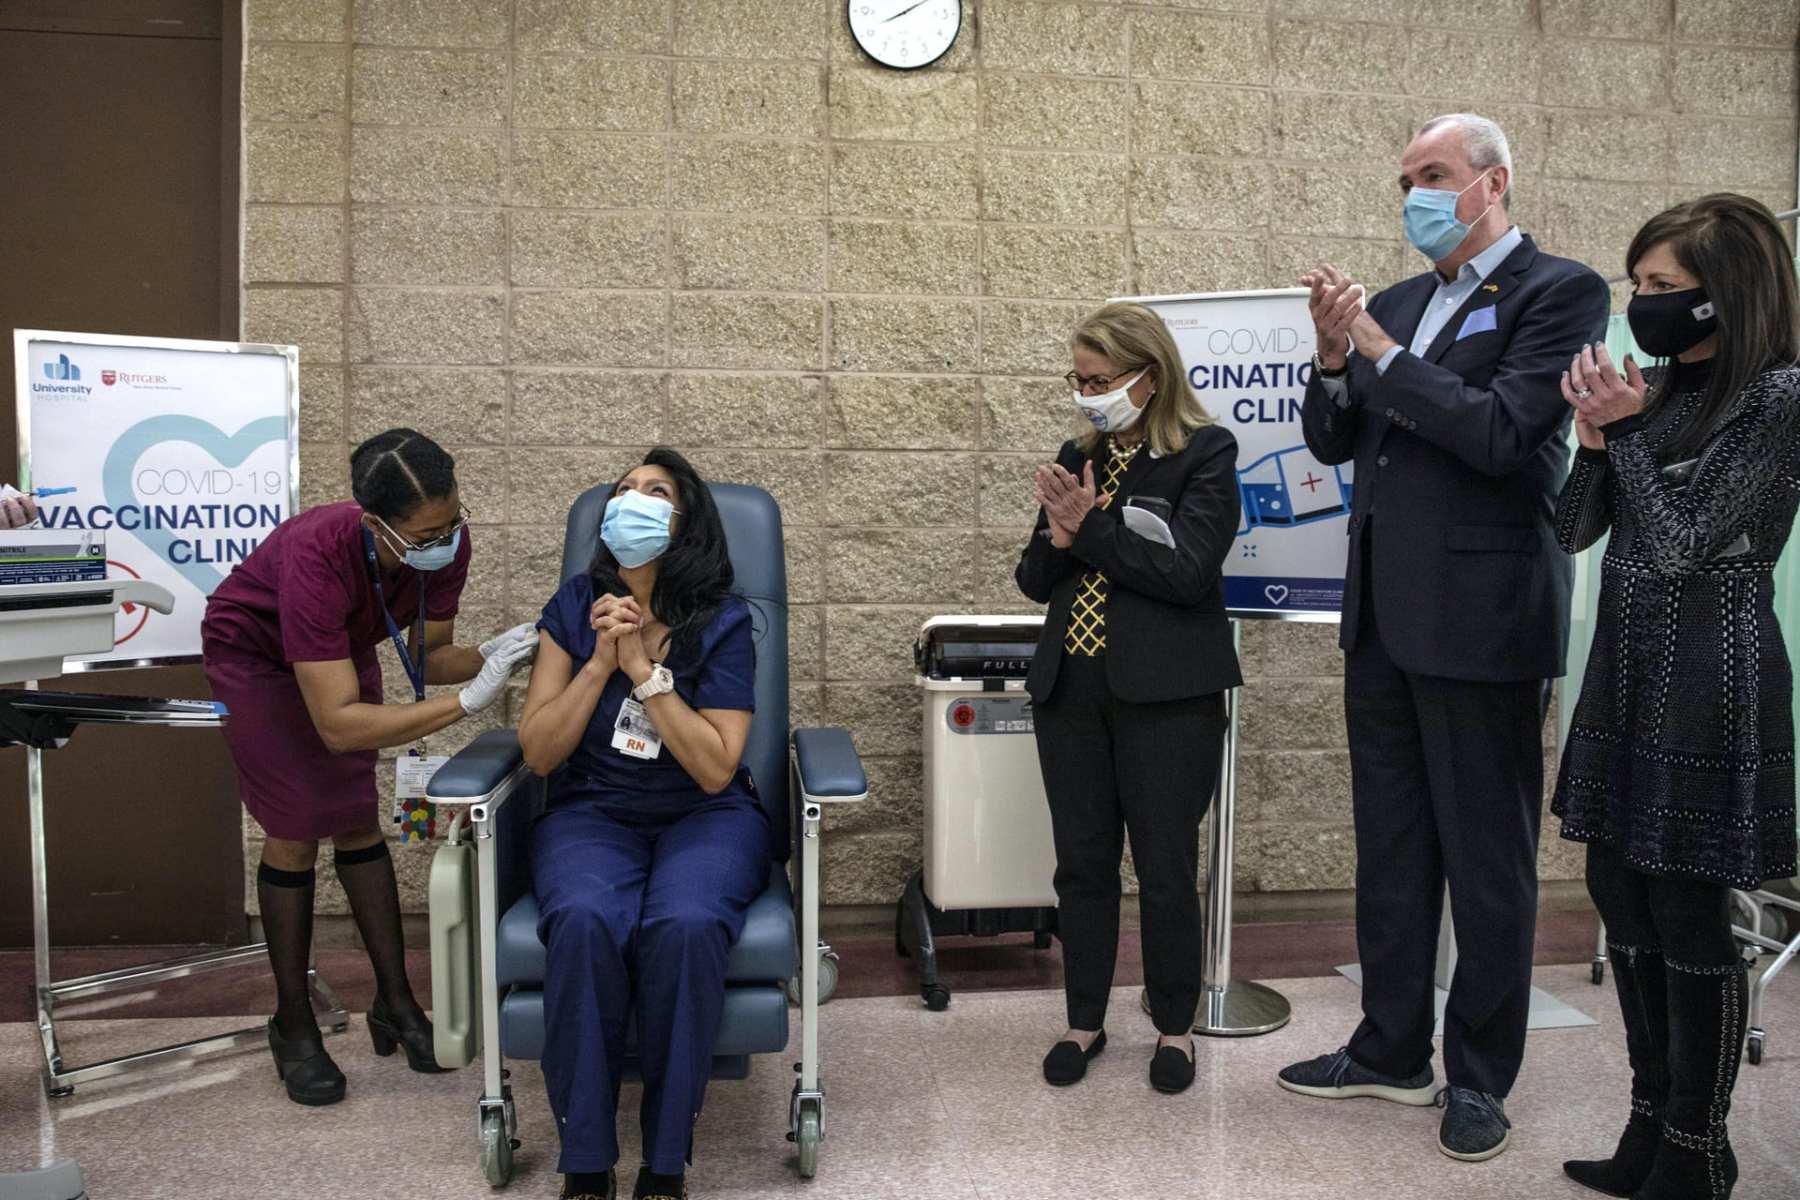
(1103,383)
(443,539)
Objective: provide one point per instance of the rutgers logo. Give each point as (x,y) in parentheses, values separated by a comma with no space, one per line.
(109,377)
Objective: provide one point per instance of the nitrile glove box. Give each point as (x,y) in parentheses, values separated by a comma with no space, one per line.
(52,555)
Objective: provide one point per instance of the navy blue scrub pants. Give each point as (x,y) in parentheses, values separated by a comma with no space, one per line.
(638,914)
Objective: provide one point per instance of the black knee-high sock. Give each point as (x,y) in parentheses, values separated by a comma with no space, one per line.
(368,879)
(286,899)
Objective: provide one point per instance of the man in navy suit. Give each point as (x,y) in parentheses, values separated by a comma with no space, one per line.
(1444,391)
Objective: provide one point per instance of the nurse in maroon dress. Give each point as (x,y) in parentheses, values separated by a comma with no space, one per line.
(289,643)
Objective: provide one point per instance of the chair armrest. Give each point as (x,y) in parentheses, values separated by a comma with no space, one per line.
(827,766)
(478,770)
(489,777)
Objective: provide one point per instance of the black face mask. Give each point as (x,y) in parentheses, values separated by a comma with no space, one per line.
(1671,323)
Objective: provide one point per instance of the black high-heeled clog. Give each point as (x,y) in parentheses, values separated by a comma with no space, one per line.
(301,1063)
(388,1033)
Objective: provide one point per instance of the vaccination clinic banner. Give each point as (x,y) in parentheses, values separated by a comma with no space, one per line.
(184,454)
(1248,356)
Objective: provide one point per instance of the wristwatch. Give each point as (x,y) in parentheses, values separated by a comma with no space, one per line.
(1322,370)
(661,680)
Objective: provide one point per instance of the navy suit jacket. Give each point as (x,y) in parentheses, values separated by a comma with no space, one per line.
(1460,454)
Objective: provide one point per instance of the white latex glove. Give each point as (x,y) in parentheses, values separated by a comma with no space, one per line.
(488,686)
(525,634)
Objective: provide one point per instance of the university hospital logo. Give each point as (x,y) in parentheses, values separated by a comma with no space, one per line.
(64,375)
(64,380)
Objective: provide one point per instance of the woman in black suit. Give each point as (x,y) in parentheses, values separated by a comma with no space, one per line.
(1129,678)
(1678,772)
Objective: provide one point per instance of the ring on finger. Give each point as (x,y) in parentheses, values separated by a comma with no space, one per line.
(1583,393)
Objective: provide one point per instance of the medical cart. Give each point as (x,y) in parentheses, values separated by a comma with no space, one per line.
(989,861)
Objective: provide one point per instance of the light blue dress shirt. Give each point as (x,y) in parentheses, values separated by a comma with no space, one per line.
(1449,297)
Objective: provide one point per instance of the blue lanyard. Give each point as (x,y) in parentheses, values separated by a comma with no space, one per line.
(415,671)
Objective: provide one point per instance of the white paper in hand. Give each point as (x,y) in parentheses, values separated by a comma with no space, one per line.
(1148,525)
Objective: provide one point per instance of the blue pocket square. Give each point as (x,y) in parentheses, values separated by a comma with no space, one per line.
(1479,321)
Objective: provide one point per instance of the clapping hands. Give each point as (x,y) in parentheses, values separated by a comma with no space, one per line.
(1065,500)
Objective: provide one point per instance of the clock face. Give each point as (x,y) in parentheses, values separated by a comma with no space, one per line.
(906,34)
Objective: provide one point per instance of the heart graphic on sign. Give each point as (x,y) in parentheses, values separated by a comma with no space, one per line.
(1276,592)
(229,449)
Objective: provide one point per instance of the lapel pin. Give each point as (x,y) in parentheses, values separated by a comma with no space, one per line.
(1490,287)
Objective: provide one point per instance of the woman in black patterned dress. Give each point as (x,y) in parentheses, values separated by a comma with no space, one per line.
(1679,768)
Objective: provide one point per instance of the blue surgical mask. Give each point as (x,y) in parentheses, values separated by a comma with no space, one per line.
(1431,224)
(636,527)
(434,558)
(423,558)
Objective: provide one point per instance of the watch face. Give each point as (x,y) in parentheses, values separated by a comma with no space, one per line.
(906,34)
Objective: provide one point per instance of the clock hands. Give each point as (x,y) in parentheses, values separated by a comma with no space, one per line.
(904,11)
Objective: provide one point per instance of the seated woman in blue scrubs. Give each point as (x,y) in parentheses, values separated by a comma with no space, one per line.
(653,842)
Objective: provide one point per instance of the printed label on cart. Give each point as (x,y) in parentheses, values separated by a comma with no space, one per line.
(990,714)
(633,733)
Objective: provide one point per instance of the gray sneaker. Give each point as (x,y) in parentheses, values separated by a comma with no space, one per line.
(1340,1077)
(1474,1128)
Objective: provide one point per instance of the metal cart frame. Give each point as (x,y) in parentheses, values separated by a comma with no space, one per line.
(60,1078)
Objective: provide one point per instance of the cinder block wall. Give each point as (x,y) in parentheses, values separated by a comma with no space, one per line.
(554,232)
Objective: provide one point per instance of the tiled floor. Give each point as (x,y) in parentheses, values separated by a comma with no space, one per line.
(921,1105)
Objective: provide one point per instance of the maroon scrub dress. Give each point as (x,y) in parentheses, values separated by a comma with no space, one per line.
(305,595)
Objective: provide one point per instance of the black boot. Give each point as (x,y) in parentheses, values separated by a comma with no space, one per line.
(1638,977)
(1707,1007)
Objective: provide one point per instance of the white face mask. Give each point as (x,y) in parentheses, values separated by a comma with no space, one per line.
(1112,411)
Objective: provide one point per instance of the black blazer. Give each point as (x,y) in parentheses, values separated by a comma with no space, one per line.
(1167,636)
(1459,457)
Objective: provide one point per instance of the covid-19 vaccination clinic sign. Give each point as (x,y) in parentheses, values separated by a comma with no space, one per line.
(183,454)
(1248,356)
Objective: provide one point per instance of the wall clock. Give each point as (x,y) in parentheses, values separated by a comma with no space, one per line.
(905,34)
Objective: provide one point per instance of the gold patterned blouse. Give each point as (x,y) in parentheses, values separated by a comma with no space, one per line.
(1087,615)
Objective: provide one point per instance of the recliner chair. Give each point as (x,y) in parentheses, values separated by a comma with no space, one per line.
(501,795)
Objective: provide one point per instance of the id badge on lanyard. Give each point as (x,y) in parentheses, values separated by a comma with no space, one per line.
(415,818)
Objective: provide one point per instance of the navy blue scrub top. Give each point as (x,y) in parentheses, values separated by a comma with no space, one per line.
(721,674)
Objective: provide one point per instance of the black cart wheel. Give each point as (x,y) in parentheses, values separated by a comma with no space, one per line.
(1598,972)
(937,997)
(1755,1048)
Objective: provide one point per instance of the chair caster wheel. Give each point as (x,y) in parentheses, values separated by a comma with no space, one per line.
(806,1140)
(1597,973)
(496,1150)
(828,980)
(937,997)
(1755,1048)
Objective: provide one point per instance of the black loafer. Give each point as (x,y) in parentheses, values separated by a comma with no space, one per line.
(1171,1071)
(1067,1062)
(311,1077)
